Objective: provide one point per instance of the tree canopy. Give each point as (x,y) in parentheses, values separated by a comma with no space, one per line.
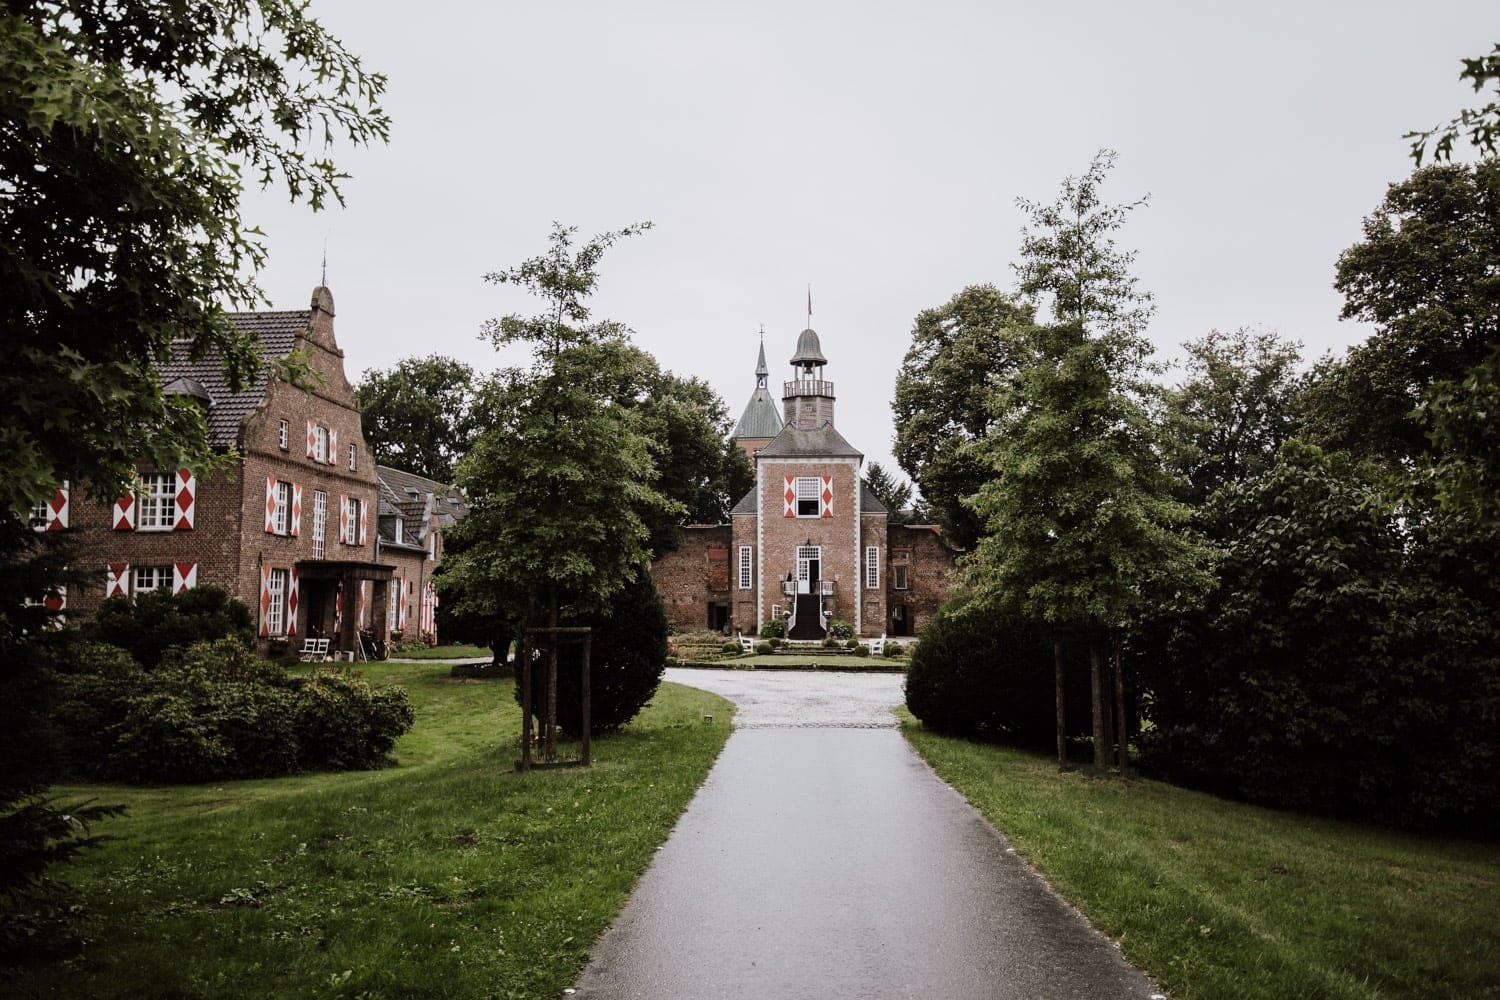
(126,132)
(1480,125)
(962,353)
(560,479)
(1225,421)
(891,490)
(417,416)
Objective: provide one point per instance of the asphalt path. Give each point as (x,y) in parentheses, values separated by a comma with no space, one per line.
(822,858)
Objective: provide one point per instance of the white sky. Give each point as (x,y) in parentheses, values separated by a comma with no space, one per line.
(874,150)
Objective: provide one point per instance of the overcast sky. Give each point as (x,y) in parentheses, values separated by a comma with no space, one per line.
(873,150)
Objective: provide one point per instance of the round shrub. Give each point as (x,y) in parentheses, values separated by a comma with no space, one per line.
(777,642)
(764,648)
(627,656)
(893,649)
(732,648)
(860,649)
(975,670)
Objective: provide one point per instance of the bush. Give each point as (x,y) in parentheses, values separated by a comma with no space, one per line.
(851,644)
(840,630)
(628,655)
(860,649)
(775,628)
(894,649)
(214,711)
(764,648)
(976,671)
(158,620)
(777,642)
(731,648)
(1346,660)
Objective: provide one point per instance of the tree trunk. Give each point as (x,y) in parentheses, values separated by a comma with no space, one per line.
(1096,681)
(1059,667)
(551,751)
(1124,745)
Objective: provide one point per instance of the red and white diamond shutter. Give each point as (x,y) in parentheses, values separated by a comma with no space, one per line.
(184,575)
(825,499)
(291,603)
(117,580)
(187,500)
(338,610)
(57,509)
(296,510)
(124,513)
(405,594)
(333,446)
(364,511)
(360,616)
(790,496)
(56,599)
(265,600)
(312,438)
(270,505)
(343,519)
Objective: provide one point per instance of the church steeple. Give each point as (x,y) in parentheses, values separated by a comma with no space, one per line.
(760,422)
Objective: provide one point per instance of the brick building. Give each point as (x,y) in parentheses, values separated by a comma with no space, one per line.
(286,523)
(414,513)
(810,543)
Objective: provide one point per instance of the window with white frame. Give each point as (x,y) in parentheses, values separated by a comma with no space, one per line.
(775,611)
(39,516)
(282,522)
(353,457)
(746,567)
(320,524)
(392,604)
(282,436)
(872,567)
(431,544)
(809,496)
(156,502)
(353,536)
(276,588)
(320,444)
(151,578)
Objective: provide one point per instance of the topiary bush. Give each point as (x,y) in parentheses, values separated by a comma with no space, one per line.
(975,670)
(628,656)
(764,648)
(730,649)
(159,619)
(860,649)
(894,649)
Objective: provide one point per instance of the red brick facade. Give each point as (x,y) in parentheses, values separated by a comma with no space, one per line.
(809,543)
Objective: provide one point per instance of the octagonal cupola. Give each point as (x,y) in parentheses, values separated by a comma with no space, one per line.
(807,400)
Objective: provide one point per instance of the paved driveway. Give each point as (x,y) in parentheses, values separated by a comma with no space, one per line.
(823,859)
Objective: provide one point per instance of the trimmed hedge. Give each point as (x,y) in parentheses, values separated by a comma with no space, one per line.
(974,671)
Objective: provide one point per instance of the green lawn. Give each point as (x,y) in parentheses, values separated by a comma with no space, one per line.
(445,876)
(444,653)
(1220,900)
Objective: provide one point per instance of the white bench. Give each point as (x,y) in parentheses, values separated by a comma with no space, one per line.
(314,650)
(877,646)
(747,644)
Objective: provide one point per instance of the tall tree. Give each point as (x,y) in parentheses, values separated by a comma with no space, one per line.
(1225,421)
(1081,529)
(1424,274)
(962,353)
(891,490)
(417,416)
(560,480)
(1480,125)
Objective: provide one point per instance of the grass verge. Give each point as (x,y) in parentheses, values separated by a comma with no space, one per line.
(1221,900)
(444,653)
(446,875)
(802,661)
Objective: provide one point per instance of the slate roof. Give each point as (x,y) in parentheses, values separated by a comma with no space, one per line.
(825,442)
(761,419)
(404,495)
(277,332)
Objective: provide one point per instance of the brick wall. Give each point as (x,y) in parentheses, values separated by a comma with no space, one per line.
(780,536)
(930,576)
(695,575)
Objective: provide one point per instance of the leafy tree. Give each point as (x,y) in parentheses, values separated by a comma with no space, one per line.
(1344,660)
(417,415)
(126,132)
(560,479)
(1225,421)
(1481,125)
(1425,275)
(890,490)
(1081,530)
(1465,438)
(962,353)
